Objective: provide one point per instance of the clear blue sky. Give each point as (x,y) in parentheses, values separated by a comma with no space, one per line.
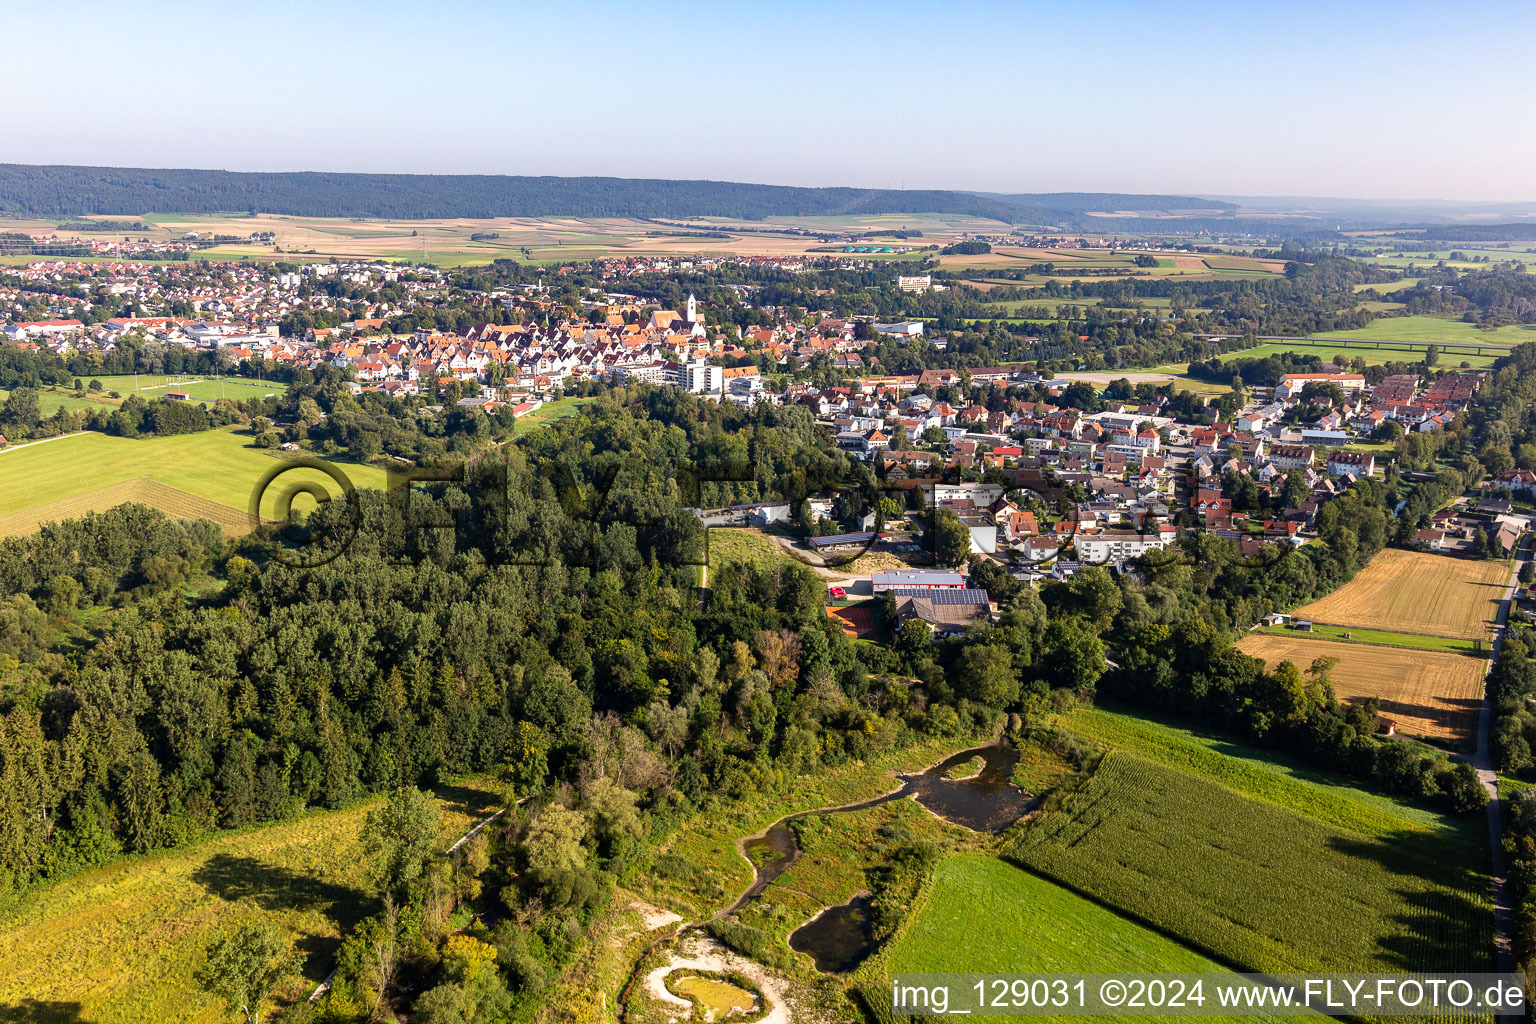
(1401,100)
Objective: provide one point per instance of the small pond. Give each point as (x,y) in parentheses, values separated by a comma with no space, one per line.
(839,938)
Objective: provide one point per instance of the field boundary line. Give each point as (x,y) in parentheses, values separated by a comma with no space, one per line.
(42,440)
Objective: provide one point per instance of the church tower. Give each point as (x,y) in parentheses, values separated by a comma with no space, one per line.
(693,309)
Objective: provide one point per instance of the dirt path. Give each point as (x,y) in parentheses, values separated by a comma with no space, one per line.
(814,562)
(30,444)
(698,952)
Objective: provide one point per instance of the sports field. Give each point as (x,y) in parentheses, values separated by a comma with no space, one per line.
(1417,592)
(54,479)
(198,388)
(120,943)
(1257,884)
(1429,694)
(52,399)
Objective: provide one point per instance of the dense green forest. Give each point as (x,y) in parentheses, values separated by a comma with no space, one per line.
(58,190)
(1083,202)
(1481,232)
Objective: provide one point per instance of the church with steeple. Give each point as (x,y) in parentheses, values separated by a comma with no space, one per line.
(671,321)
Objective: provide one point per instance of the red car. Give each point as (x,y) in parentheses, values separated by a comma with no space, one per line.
(838,593)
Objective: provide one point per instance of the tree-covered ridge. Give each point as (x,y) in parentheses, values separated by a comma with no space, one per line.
(1110,202)
(59,190)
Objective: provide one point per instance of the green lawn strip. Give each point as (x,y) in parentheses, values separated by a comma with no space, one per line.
(1382,638)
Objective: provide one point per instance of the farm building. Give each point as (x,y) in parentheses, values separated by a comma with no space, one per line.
(917,579)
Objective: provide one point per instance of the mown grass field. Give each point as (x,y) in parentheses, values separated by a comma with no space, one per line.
(1254,884)
(1438,330)
(141,490)
(1417,592)
(198,388)
(52,399)
(1390,286)
(1428,693)
(55,479)
(120,943)
(549,412)
(985,915)
(1373,355)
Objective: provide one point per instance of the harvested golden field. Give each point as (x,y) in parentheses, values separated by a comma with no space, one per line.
(1427,693)
(1417,592)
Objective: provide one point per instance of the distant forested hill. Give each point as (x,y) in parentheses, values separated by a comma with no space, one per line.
(55,191)
(1107,202)
(1481,232)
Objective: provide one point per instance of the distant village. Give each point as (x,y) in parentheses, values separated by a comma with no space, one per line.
(1136,472)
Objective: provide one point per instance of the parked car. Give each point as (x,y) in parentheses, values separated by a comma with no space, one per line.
(838,594)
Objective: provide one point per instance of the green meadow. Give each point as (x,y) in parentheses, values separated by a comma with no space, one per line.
(1438,330)
(984,915)
(1383,638)
(120,943)
(1373,355)
(551,412)
(1266,775)
(220,465)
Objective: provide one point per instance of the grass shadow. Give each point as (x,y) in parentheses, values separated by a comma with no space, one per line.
(1446,927)
(39,1011)
(247,880)
(466,800)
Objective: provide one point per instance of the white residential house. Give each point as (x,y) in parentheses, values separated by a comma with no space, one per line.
(1105,546)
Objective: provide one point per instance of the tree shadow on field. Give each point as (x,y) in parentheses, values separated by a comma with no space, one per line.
(465,800)
(1444,927)
(272,888)
(40,1011)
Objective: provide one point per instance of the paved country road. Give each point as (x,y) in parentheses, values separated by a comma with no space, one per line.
(1482,760)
